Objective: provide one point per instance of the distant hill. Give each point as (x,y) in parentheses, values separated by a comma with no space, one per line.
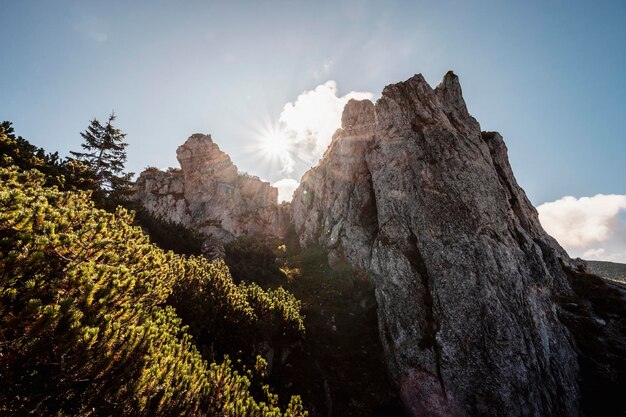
(612,270)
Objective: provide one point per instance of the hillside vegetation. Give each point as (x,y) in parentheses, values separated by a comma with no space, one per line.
(610,270)
(339,367)
(97,320)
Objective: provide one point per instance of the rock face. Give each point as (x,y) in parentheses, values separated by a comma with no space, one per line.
(208,194)
(413,193)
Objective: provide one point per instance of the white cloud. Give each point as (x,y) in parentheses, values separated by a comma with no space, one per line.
(598,253)
(589,227)
(310,121)
(286,187)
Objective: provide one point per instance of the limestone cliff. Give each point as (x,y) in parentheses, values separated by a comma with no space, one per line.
(208,194)
(413,193)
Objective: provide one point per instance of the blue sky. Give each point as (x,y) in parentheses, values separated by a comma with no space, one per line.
(549,75)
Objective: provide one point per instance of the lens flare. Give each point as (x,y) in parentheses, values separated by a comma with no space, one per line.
(274,144)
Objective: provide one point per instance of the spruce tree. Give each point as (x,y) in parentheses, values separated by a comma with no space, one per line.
(105,154)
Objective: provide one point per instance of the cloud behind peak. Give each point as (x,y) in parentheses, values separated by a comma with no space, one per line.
(589,227)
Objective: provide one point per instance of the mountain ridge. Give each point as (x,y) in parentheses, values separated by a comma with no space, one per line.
(414,195)
(607,269)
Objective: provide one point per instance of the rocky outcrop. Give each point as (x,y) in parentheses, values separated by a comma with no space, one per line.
(412,192)
(208,194)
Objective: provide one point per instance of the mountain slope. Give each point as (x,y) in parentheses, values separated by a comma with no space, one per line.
(85,324)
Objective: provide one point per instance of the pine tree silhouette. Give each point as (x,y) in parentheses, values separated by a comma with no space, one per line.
(105,154)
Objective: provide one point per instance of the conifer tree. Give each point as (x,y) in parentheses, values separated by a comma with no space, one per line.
(105,154)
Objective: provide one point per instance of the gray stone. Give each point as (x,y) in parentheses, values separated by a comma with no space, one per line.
(411,191)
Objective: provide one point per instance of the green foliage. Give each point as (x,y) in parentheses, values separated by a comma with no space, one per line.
(84,327)
(22,153)
(292,241)
(250,259)
(105,154)
(168,235)
(70,174)
(342,345)
(67,174)
(226,317)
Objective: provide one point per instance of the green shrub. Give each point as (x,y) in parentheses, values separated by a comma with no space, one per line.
(67,174)
(250,259)
(168,235)
(226,317)
(84,325)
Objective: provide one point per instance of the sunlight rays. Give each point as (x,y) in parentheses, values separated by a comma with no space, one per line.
(275,147)
(274,143)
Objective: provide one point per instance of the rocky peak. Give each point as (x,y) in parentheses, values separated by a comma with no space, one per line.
(412,192)
(199,156)
(210,195)
(357,113)
(450,94)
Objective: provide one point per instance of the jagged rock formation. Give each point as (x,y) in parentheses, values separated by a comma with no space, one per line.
(412,192)
(208,194)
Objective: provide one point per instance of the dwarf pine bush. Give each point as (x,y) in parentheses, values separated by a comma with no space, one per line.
(84,324)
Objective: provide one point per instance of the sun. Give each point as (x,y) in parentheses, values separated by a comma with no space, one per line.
(274,147)
(274,143)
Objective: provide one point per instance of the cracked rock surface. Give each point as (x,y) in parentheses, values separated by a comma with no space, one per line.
(414,193)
